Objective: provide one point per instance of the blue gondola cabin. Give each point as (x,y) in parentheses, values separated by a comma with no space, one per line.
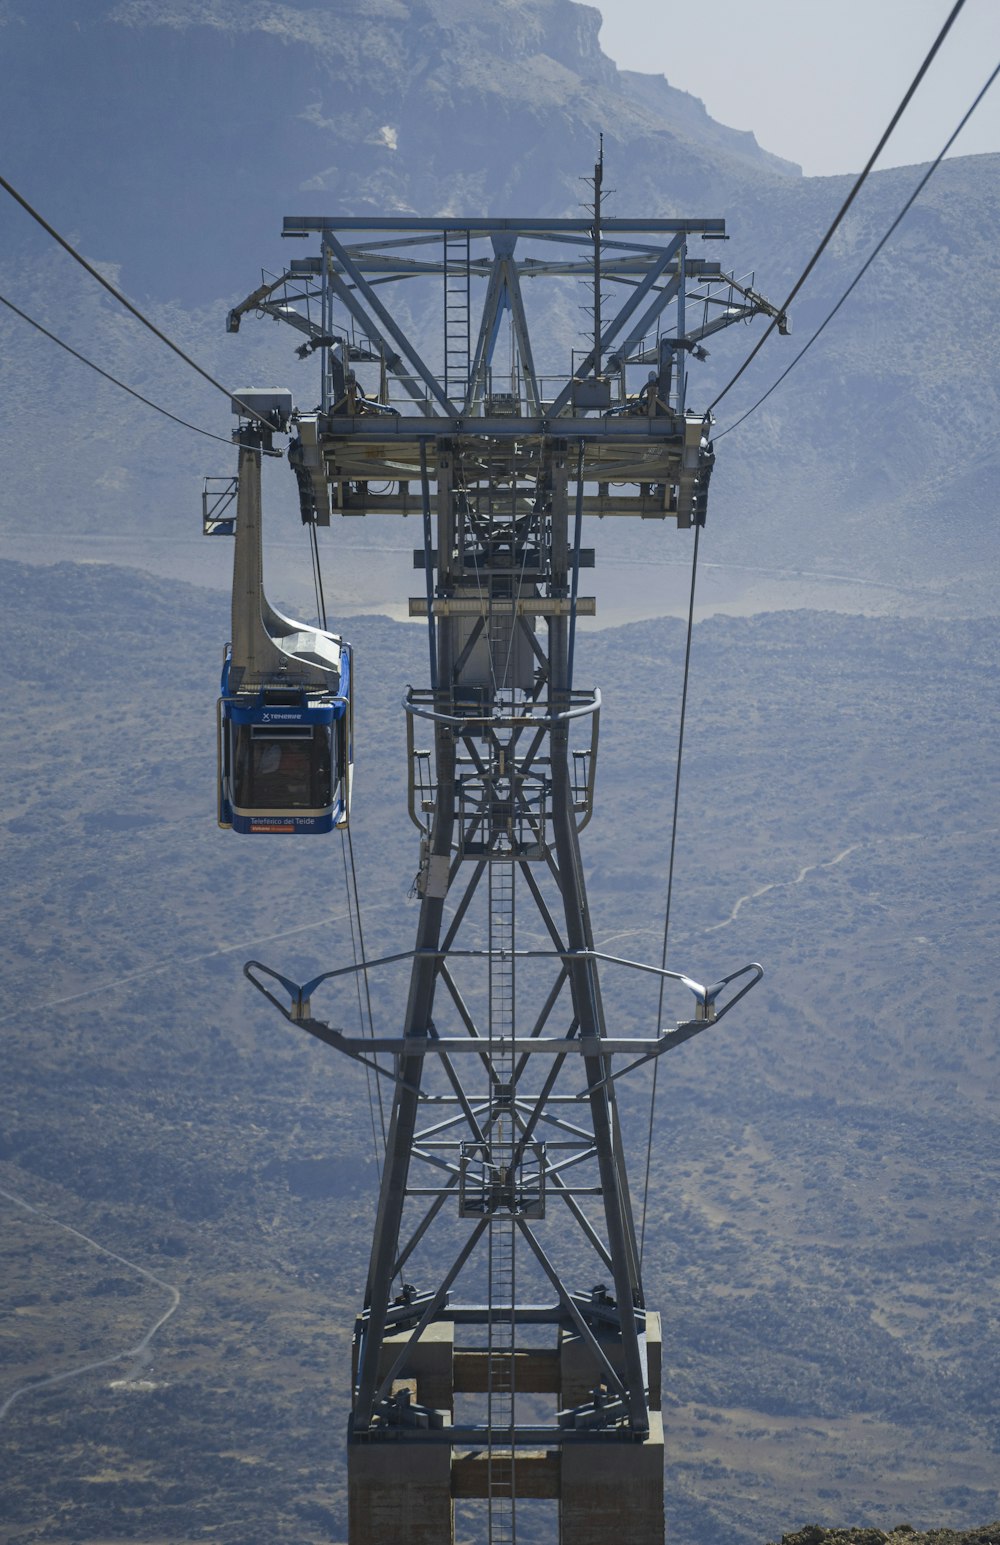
(285,755)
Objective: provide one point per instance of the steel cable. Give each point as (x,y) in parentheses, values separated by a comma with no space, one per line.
(670,880)
(107,375)
(845,206)
(124,301)
(364,1002)
(354,906)
(317,576)
(874,254)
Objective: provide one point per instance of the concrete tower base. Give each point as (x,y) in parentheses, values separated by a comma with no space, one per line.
(613,1492)
(399,1494)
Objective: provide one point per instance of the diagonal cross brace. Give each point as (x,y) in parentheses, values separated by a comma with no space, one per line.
(625,313)
(385,321)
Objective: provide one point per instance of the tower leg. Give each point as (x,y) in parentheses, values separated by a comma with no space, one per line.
(399,1493)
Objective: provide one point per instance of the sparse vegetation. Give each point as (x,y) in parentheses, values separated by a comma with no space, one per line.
(819,1236)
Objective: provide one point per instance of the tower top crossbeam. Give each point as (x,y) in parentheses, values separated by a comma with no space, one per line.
(389,386)
(487,225)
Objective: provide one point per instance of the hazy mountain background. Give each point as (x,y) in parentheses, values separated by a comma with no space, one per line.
(169,139)
(822,1235)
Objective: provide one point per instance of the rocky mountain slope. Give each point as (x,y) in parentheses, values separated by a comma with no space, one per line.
(902,1534)
(189,125)
(171,138)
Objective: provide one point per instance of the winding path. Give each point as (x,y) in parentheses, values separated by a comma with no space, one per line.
(136,1353)
(762,890)
(829,863)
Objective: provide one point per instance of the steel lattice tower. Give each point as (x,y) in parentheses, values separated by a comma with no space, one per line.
(520,1358)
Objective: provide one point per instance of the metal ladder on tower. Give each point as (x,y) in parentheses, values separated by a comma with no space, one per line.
(501,625)
(500,1322)
(457,309)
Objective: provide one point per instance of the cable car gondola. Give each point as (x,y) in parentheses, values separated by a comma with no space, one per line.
(284,718)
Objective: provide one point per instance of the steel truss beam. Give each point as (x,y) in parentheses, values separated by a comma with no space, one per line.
(500,1057)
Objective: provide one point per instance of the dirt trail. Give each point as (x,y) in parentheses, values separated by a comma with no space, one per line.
(762,890)
(138,1353)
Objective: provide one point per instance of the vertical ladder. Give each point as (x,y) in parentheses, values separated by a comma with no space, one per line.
(501,626)
(500,1321)
(457,314)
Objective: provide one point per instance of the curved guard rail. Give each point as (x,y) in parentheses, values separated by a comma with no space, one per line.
(299,1013)
(706,998)
(366,1050)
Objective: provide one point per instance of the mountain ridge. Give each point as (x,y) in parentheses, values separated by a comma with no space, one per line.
(195,141)
(171,140)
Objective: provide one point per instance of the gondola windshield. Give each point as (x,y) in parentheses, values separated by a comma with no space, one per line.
(282,769)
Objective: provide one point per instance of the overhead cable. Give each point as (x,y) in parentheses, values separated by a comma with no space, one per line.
(317,576)
(106,374)
(670,878)
(364,1002)
(865,267)
(354,909)
(124,301)
(845,206)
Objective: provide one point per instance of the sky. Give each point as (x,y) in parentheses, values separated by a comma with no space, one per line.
(818,80)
